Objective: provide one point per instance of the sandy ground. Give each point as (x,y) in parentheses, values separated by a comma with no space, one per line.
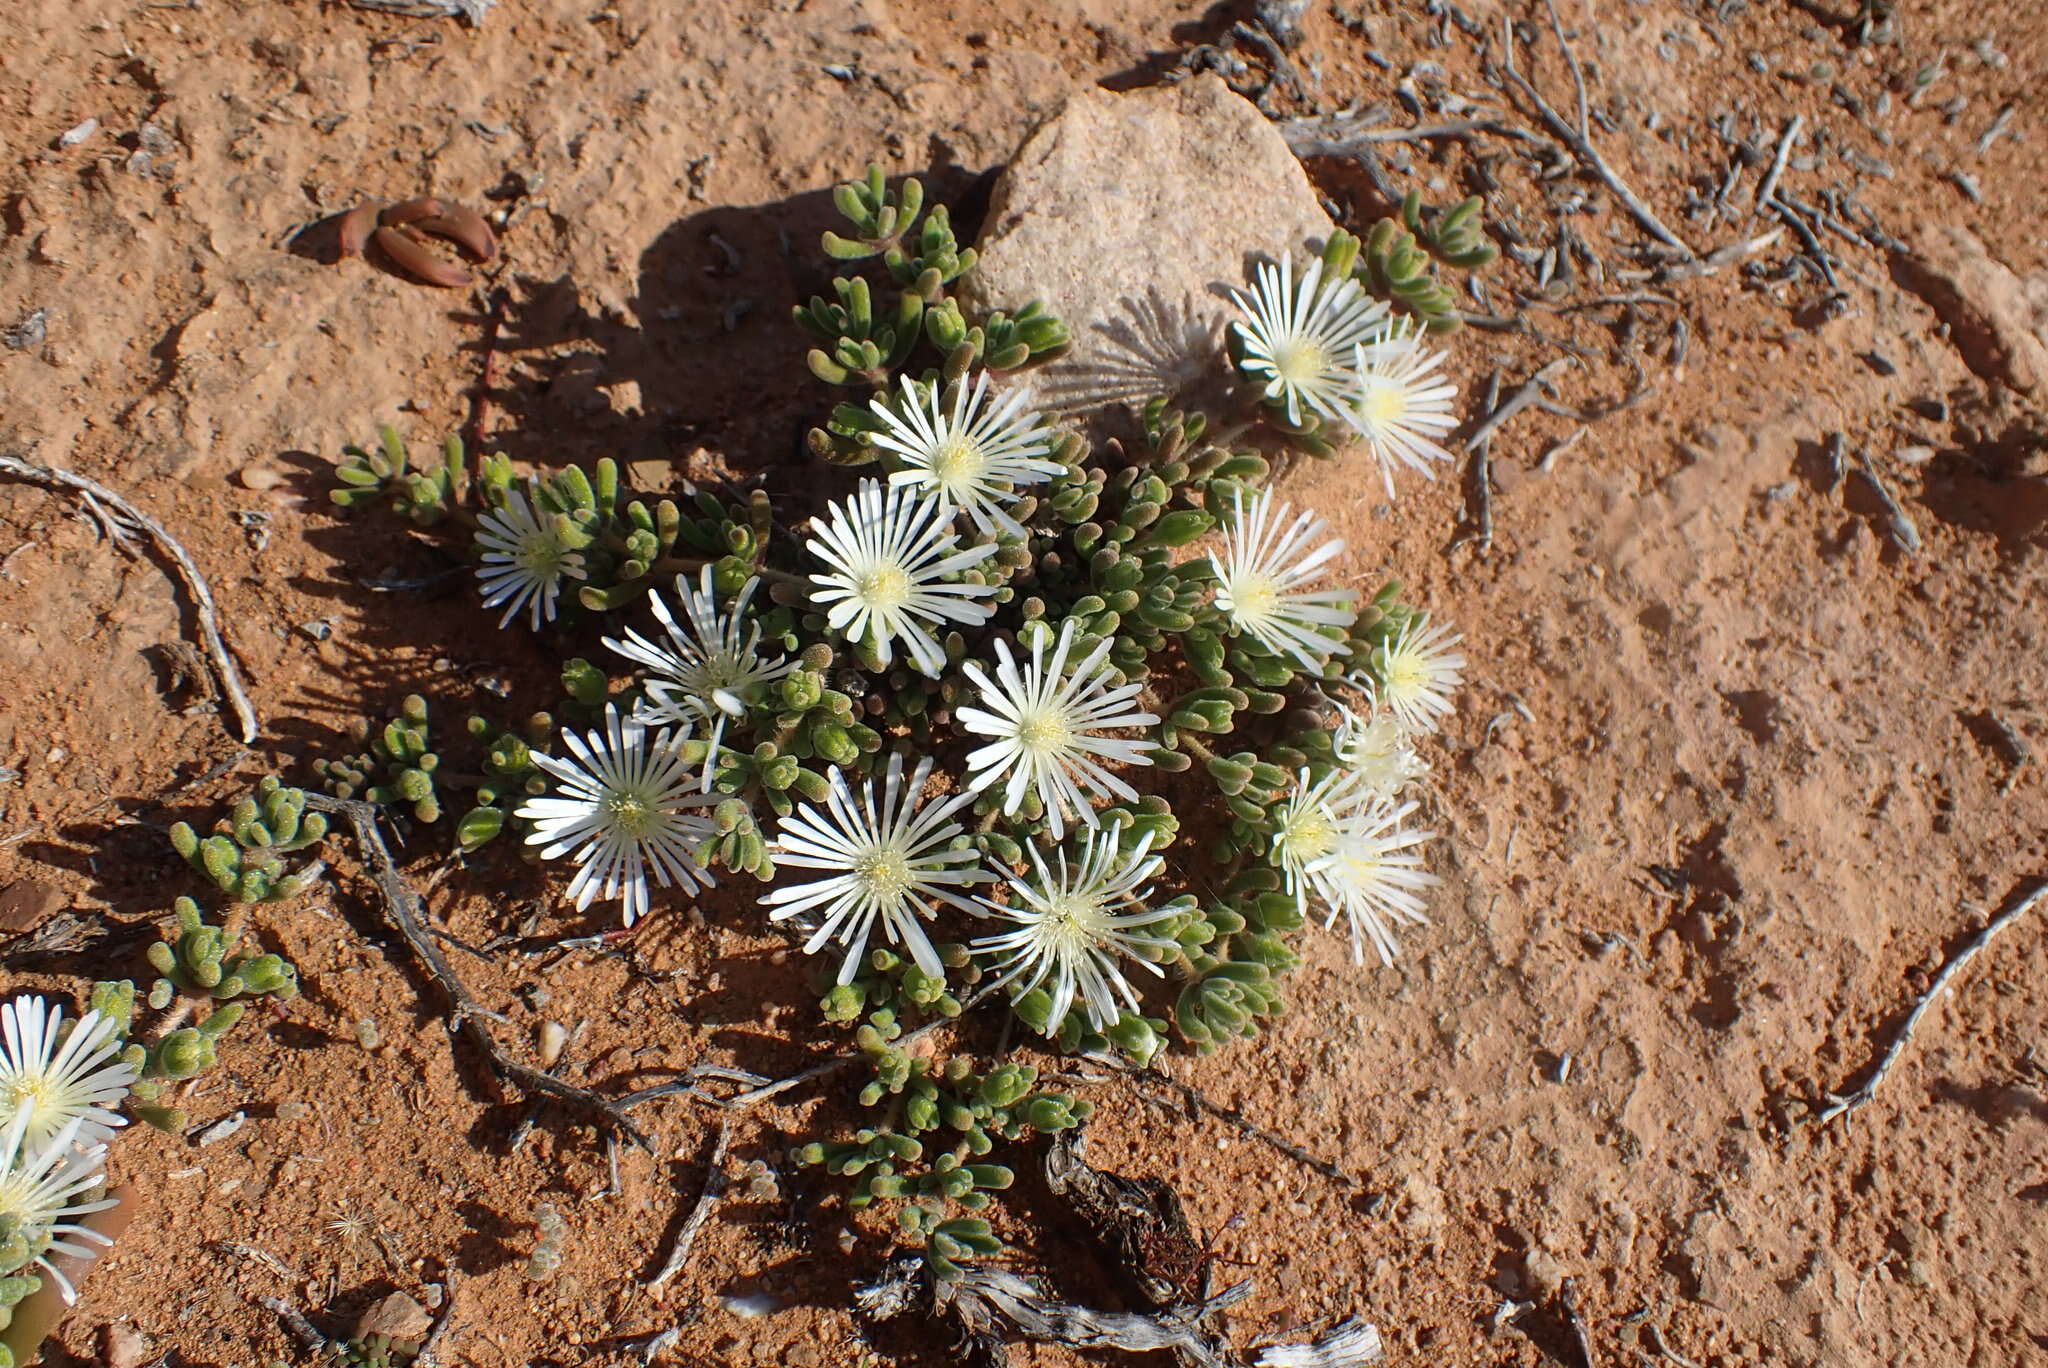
(1726,785)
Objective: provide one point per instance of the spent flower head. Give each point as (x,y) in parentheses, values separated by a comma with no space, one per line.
(1046,721)
(890,563)
(1077,922)
(1399,404)
(624,803)
(525,559)
(1267,559)
(1379,749)
(62,1076)
(40,1185)
(880,863)
(1302,336)
(970,453)
(712,667)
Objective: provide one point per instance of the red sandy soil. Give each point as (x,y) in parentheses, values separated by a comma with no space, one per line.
(1724,789)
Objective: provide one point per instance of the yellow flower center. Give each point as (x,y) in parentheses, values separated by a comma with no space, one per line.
(1253,596)
(1045,730)
(1300,360)
(1309,835)
(885,874)
(886,587)
(630,814)
(958,462)
(1382,402)
(1072,920)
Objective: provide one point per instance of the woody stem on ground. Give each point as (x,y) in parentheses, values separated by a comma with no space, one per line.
(408,915)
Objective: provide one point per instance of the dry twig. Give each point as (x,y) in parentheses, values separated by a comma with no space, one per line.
(1482,476)
(1841,1104)
(1535,388)
(1582,146)
(466,1014)
(714,1188)
(224,670)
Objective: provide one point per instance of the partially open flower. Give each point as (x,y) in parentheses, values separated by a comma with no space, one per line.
(712,667)
(1417,672)
(525,559)
(1399,404)
(1267,559)
(1372,874)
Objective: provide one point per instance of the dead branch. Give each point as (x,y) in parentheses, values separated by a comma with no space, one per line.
(714,1188)
(1535,388)
(994,1306)
(1900,527)
(217,656)
(466,1014)
(1568,1300)
(1482,476)
(1582,147)
(302,1329)
(1841,1104)
(1790,136)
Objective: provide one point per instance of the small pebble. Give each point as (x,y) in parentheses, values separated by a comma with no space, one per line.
(749,1308)
(78,133)
(219,1130)
(259,477)
(553,1037)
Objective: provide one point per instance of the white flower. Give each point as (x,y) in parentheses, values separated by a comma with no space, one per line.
(1075,922)
(1342,840)
(1305,828)
(970,454)
(1399,405)
(625,805)
(1379,750)
(1266,560)
(525,560)
(1372,873)
(81,1079)
(1044,719)
(882,864)
(709,672)
(37,1186)
(1417,671)
(889,555)
(1304,337)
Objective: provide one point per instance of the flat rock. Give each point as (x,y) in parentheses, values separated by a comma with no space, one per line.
(1131,216)
(1997,319)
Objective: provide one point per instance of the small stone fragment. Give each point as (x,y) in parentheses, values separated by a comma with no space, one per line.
(553,1037)
(397,1317)
(1997,319)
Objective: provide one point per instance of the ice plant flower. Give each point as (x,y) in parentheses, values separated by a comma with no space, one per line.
(1302,337)
(712,667)
(624,803)
(61,1076)
(1076,921)
(1305,827)
(971,454)
(1046,721)
(39,1187)
(525,559)
(1372,875)
(881,864)
(1417,670)
(1266,560)
(1379,750)
(889,559)
(1399,403)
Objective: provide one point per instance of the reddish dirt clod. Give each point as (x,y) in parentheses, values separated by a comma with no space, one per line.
(409,251)
(356,226)
(465,228)
(408,211)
